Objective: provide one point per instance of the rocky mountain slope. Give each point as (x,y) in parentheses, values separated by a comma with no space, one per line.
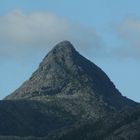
(122,125)
(61,97)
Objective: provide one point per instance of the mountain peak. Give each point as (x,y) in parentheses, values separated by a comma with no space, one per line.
(63,52)
(64,47)
(64,44)
(66,75)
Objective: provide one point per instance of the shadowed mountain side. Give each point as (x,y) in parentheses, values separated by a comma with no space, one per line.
(123,125)
(31,118)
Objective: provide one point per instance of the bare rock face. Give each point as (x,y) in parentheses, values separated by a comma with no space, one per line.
(72,82)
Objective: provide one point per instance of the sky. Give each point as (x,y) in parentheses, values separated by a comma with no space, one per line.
(105,31)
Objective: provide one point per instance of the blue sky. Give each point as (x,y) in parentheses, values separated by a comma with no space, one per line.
(105,31)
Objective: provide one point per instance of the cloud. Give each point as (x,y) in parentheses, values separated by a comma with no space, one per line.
(129,33)
(24,34)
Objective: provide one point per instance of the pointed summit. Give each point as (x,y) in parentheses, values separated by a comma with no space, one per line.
(63,56)
(61,52)
(67,78)
(64,47)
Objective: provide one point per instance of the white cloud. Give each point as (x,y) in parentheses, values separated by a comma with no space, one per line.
(129,33)
(26,35)
(21,34)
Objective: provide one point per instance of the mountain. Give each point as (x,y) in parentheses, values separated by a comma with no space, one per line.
(65,74)
(67,92)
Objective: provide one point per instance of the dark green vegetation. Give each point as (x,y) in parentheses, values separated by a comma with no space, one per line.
(68,97)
